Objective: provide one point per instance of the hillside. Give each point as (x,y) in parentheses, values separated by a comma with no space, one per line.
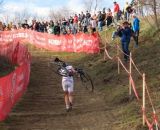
(108,108)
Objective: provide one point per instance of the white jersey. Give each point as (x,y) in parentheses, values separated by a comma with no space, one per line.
(69,78)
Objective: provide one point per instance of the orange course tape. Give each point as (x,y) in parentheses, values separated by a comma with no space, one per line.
(123,65)
(108,55)
(134,87)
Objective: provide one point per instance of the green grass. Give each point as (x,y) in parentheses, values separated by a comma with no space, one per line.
(127,112)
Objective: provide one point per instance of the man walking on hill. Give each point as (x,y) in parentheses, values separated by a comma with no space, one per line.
(67,84)
(136,28)
(125,33)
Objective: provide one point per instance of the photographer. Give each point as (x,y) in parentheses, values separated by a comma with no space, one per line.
(125,33)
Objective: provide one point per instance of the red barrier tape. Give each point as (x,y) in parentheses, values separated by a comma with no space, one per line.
(134,88)
(155,117)
(13,85)
(108,55)
(64,43)
(123,65)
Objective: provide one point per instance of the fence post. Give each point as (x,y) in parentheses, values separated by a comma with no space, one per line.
(105,46)
(144,86)
(118,59)
(130,71)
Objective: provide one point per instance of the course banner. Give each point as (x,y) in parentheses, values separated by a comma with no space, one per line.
(13,85)
(64,43)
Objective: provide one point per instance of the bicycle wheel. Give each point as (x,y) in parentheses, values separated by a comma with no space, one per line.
(87,82)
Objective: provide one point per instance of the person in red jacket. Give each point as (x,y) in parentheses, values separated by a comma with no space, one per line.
(116,11)
(75,24)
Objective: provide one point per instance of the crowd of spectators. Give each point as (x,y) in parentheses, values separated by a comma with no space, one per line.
(83,22)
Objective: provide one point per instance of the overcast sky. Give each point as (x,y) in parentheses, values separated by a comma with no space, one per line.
(42,7)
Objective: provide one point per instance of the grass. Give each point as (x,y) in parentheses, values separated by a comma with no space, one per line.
(126,112)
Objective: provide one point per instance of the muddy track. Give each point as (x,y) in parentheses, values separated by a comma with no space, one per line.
(42,107)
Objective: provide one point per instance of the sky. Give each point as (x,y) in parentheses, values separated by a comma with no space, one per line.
(42,7)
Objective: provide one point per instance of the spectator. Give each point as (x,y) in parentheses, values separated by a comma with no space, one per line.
(64,26)
(104,17)
(81,17)
(85,24)
(116,12)
(93,24)
(94,16)
(125,32)
(57,29)
(100,21)
(71,24)
(25,25)
(75,24)
(1,26)
(136,28)
(50,29)
(126,14)
(109,17)
(14,27)
(88,15)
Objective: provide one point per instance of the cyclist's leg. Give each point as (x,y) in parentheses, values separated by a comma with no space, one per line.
(70,93)
(66,97)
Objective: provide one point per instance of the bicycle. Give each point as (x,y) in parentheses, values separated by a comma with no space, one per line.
(61,70)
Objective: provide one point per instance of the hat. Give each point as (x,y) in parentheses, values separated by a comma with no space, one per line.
(125,22)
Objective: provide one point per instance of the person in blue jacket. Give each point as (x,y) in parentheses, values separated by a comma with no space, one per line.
(136,28)
(125,33)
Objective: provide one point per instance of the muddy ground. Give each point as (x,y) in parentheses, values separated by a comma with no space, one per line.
(42,107)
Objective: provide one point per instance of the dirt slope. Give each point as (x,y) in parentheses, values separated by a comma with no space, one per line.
(42,107)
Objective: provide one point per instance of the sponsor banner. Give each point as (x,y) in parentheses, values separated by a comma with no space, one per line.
(13,85)
(64,43)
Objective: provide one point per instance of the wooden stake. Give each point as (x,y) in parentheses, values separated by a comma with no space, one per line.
(130,71)
(144,86)
(118,60)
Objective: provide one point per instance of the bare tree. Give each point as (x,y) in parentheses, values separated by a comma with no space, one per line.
(153,6)
(19,17)
(61,13)
(6,18)
(88,4)
(92,5)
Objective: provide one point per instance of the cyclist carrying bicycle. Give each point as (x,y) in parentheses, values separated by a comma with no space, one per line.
(67,84)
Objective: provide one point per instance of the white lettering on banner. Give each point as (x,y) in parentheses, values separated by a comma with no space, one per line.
(20,83)
(19,88)
(87,42)
(55,42)
(40,38)
(6,38)
(70,41)
(21,77)
(20,35)
(13,86)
